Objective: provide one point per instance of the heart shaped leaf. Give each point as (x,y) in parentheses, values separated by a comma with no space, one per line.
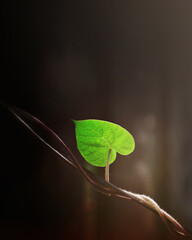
(95,138)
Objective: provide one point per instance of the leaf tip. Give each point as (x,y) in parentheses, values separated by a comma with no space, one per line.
(74,121)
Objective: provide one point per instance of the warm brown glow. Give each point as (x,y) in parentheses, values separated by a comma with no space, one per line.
(127,62)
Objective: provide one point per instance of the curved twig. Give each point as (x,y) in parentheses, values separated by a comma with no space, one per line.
(99,183)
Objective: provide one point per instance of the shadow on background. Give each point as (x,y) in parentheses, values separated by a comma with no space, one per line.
(127,62)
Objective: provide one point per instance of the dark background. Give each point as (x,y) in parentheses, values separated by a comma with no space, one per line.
(129,62)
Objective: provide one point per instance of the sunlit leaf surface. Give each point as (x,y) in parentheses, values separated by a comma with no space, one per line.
(96,137)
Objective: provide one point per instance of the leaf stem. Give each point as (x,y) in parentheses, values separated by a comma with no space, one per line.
(107,166)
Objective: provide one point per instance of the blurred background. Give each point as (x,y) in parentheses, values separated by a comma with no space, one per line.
(128,62)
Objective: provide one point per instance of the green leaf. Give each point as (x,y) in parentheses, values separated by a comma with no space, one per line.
(96,137)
